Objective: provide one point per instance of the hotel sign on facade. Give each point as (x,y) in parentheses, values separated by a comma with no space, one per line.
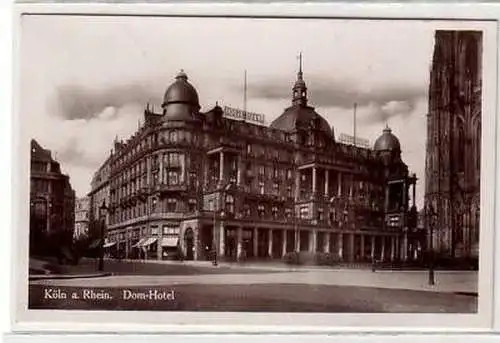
(237,114)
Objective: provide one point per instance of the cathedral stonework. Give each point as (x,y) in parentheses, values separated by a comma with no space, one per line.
(453,160)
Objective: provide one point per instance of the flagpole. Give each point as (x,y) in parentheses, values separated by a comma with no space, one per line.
(245,96)
(354,124)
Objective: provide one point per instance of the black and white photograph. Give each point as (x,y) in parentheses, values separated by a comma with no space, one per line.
(253,164)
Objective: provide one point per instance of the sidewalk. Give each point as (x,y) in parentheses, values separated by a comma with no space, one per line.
(283,267)
(66,276)
(448,282)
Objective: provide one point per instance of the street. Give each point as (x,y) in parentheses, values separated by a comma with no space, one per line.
(258,288)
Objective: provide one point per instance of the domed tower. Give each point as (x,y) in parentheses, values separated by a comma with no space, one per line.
(181,100)
(388,145)
(300,117)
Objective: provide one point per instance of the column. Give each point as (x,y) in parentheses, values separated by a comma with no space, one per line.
(405,194)
(313,240)
(327,177)
(351,182)
(297,188)
(314,181)
(48,207)
(159,249)
(297,240)
(362,254)
(372,253)
(148,171)
(270,244)
(382,253)
(393,248)
(196,243)
(239,242)
(405,247)
(240,167)
(284,243)
(326,247)
(386,200)
(221,167)
(222,240)
(351,247)
(206,167)
(339,184)
(160,175)
(398,247)
(340,245)
(255,242)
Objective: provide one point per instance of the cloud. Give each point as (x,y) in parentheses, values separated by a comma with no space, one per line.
(78,102)
(377,103)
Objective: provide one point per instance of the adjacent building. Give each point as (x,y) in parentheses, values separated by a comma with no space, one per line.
(99,193)
(82,219)
(453,163)
(220,181)
(52,199)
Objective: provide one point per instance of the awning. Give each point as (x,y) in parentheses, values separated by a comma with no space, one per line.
(109,244)
(169,242)
(139,243)
(149,241)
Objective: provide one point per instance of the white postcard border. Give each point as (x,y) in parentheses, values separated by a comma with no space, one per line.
(135,321)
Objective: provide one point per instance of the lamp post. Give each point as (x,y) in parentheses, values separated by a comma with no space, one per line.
(431,214)
(214,240)
(102,215)
(219,209)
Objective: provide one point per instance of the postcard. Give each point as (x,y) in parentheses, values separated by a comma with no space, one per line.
(294,170)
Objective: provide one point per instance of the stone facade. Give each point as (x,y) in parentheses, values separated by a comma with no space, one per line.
(52,200)
(453,163)
(199,182)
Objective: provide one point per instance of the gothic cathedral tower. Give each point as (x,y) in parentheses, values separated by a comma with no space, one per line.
(454,144)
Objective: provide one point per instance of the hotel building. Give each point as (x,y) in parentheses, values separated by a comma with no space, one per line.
(197,182)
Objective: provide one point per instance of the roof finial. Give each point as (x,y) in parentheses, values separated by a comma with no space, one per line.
(300,66)
(182,75)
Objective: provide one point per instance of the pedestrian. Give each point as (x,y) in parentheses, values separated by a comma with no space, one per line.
(373,264)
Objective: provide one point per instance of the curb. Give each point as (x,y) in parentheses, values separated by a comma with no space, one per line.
(67,276)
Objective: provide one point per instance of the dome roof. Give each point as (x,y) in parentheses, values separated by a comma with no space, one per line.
(300,117)
(181,91)
(387,141)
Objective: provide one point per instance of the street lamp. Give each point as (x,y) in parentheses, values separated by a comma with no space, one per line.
(219,209)
(431,215)
(102,215)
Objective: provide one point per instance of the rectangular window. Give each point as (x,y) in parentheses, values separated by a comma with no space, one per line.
(192,205)
(276,188)
(275,212)
(171,205)
(154,230)
(173,178)
(304,212)
(320,214)
(261,188)
(261,210)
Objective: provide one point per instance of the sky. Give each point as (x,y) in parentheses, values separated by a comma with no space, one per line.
(85,80)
